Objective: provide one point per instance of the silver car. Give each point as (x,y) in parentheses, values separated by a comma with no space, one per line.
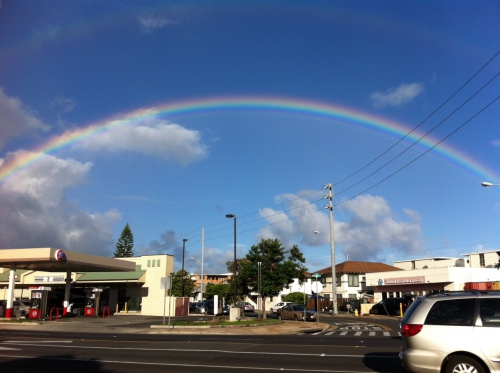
(452,332)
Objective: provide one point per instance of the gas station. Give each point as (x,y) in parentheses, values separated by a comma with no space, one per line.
(57,261)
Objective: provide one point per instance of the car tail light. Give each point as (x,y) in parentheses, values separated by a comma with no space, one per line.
(409,330)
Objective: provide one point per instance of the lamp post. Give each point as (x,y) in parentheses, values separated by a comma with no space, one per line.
(232,216)
(183,250)
(260,289)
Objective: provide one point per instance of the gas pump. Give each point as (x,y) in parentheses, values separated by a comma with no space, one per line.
(39,302)
(92,302)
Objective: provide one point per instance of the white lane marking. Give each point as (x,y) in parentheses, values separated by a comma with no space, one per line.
(187,365)
(343,333)
(9,348)
(211,351)
(357,334)
(387,334)
(36,342)
(372,334)
(330,333)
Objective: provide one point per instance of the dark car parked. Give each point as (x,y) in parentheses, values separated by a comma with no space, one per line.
(389,306)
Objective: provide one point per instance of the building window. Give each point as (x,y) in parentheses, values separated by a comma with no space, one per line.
(157,262)
(412,264)
(337,281)
(353,280)
(154,262)
(481,260)
(149,262)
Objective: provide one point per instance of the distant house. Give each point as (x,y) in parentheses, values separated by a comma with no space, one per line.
(351,278)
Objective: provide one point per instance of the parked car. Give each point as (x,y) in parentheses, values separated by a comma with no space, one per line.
(296,312)
(279,305)
(248,306)
(201,307)
(20,308)
(452,332)
(389,306)
(192,306)
(225,310)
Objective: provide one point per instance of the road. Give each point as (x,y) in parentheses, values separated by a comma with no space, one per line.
(341,351)
(355,346)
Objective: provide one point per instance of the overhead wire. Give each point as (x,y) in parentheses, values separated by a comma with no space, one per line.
(368,164)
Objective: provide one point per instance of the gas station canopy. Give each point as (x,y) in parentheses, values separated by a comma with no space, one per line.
(54,260)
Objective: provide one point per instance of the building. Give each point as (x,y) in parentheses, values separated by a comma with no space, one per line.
(351,279)
(208,279)
(128,284)
(421,276)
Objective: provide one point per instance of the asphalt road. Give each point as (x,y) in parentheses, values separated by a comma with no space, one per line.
(348,348)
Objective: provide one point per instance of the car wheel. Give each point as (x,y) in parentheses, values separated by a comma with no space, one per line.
(375,311)
(279,316)
(463,364)
(295,318)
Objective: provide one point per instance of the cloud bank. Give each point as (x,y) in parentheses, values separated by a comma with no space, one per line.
(369,231)
(156,138)
(397,96)
(35,212)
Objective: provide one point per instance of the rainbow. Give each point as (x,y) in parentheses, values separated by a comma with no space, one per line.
(221,104)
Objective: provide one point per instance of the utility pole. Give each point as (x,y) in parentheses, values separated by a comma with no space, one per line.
(329,196)
(202,251)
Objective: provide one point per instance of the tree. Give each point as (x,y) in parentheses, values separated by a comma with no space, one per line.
(296,297)
(125,243)
(182,279)
(279,267)
(222,290)
(242,286)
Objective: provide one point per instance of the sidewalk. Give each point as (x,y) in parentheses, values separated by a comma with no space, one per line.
(154,325)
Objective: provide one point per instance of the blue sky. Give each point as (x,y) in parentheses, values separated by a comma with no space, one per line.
(68,65)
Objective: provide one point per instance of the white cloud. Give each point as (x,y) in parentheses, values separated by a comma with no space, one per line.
(496,143)
(298,224)
(158,138)
(214,259)
(16,119)
(371,233)
(35,212)
(373,230)
(152,22)
(397,96)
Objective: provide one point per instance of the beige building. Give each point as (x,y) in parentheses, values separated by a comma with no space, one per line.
(421,276)
(128,284)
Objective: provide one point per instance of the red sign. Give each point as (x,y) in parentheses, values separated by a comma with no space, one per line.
(60,256)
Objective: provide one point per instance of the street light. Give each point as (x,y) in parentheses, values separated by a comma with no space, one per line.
(183,250)
(232,216)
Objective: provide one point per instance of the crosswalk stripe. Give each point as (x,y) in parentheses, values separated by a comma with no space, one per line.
(355,333)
